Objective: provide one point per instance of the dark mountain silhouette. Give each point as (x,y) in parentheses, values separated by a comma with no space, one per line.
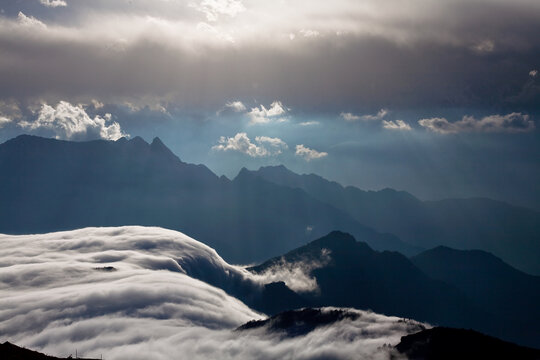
(509,232)
(300,322)
(441,343)
(275,297)
(488,281)
(50,185)
(389,283)
(9,351)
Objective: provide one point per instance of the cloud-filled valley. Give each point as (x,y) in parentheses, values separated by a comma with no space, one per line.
(126,293)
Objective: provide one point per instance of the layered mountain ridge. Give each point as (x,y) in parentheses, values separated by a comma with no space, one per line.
(510,232)
(50,185)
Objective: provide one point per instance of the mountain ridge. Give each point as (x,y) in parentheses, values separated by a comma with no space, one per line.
(50,185)
(508,231)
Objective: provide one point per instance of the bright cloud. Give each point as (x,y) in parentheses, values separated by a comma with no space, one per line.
(309,33)
(29,21)
(214,8)
(263,146)
(262,115)
(379,116)
(309,154)
(396,125)
(347,116)
(71,122)
(533,73)
(4,120)
(53,3)
(510,123)
(236,106)
(297,274)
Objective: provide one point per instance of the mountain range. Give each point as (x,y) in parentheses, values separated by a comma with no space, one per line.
(50,185)
(509,232)
(446,287)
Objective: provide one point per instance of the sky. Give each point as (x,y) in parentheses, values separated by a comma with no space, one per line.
(441,99)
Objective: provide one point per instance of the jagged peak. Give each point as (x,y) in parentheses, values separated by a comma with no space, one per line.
(244,172)
(138,140)
(157,142)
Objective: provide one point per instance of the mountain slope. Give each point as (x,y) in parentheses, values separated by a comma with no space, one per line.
(450,344)
(50,185)
(487,280)
(507,231)
(350,274)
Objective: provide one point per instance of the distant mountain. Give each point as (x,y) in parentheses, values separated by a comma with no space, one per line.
(507,231)
(49,185)
(302,321)
(350,274)
(488,281)
(441,343)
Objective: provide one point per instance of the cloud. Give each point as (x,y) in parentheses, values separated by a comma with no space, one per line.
(123,51)
(533,73)
(54,300)
(309,154)
(9,111)
(214,8)
(71,122)
(267,146)
(236,106)
(309,33)
(308,123)
(347,116)
(510,123)
(275,143)
(29,21)
(53,3)
(262,115)
(296,275)
(4,120)
(396,125)
(379,116)
(485,46)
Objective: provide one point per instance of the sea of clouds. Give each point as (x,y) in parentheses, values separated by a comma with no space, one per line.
(149,293)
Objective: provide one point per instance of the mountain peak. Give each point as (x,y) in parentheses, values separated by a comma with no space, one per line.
(244,173)
(138,140)
(336,238)
(157,142)
(158,146)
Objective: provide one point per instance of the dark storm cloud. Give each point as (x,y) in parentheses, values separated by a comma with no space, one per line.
(316,57)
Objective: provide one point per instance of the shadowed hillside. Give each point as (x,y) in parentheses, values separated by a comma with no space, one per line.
(507,231)
(351,274)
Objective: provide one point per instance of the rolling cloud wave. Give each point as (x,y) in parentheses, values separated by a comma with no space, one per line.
(127,293)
